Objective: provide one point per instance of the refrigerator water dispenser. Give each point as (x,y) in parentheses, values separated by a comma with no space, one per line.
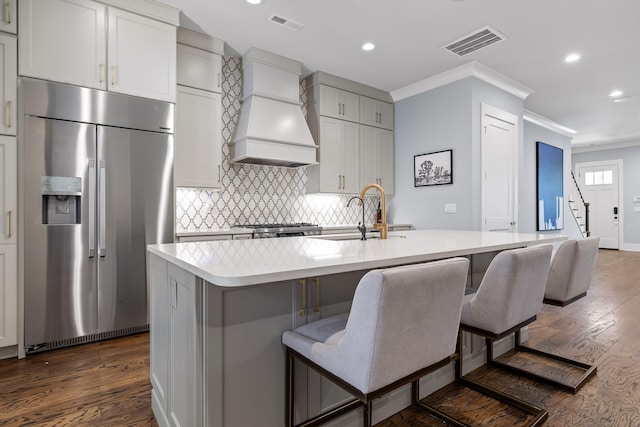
(61,200)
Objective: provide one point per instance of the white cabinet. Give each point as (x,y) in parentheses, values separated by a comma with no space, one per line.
(141,56)
(176,344)
(198,148)
(8,16)
(340,104)
(185,365)
(345,166)
(8,190)
(8,251)
(376,113)
(199,68)
(377,157)
(9,293)
(66,41)
(8,84)
(198,152)
(160,338)
(339,158)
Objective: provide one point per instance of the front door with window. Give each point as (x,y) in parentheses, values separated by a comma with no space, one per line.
(600,188)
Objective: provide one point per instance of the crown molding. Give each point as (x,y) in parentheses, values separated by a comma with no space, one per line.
(471,69)
(613,145)
(536,119)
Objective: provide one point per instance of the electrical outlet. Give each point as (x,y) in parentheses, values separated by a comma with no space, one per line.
(450,208)
(636,199)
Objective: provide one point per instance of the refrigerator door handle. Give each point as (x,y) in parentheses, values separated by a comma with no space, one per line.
(102,212)
(92,208)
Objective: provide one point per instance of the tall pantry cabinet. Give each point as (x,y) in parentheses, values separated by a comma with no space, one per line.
(8,185)
(198,130)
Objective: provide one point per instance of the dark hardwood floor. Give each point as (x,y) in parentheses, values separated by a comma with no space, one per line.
(107,383)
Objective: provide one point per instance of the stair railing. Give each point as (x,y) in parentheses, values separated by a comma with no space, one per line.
(579,207)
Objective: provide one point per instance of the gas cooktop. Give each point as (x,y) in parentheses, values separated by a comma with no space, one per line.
(282,230)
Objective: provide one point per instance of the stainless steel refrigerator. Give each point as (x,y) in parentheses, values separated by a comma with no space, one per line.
(97,173)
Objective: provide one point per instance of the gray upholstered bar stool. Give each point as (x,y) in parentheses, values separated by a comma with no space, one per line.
(572,269)
(508,298)
(570,275)
(402,325)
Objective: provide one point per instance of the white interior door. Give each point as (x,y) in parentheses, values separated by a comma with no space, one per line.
(499,170)
(600,186)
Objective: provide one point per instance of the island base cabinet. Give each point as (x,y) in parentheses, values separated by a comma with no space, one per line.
(245,367)
(217,358)
(176,345)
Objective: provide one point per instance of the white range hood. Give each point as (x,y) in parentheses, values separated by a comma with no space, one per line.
(271,129)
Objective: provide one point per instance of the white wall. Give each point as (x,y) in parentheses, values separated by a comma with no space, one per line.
(631,186)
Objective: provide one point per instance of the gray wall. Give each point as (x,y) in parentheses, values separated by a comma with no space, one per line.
(631,187)
(527,185)
(444,118)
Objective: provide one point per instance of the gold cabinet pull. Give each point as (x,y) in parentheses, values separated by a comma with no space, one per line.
(219,80)
(9,12)
(9,235)
(9,124)
(113,75)
(101,76)
(219,176)
(316,308)
(302,310)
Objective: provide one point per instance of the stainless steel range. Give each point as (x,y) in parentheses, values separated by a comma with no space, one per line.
(262,231)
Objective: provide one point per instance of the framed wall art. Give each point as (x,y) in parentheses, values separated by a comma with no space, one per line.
(433,168)
(550,184)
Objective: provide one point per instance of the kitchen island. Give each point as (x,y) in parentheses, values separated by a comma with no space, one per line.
(218,310)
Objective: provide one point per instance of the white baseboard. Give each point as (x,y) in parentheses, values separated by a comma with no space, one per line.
(633,247)
(158,411)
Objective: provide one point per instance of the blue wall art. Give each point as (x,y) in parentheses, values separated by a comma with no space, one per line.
(550,184)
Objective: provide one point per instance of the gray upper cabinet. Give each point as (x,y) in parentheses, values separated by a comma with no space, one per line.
(8,16)
(376,113)
(355,149)
(339,104)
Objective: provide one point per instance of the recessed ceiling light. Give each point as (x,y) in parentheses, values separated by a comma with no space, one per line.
(254,1)
(616,93)
(572,57)
(368,46)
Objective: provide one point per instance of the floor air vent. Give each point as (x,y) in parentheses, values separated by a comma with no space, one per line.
(479,39)
(285,22)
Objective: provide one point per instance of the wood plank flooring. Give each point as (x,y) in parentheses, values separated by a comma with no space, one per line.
(107,383)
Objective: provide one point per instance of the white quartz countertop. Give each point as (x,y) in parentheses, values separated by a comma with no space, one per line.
(238,263)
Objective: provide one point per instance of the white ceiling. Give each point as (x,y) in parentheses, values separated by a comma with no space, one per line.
(409,35)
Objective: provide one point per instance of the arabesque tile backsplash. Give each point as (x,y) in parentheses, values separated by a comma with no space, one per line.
(256,193)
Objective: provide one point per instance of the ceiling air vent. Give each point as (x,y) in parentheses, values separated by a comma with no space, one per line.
(477,40)
(285,22)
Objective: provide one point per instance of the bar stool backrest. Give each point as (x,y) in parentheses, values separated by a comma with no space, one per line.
(572,269)
(511,291)
(402,319)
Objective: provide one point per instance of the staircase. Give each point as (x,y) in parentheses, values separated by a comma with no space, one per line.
(578,207)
